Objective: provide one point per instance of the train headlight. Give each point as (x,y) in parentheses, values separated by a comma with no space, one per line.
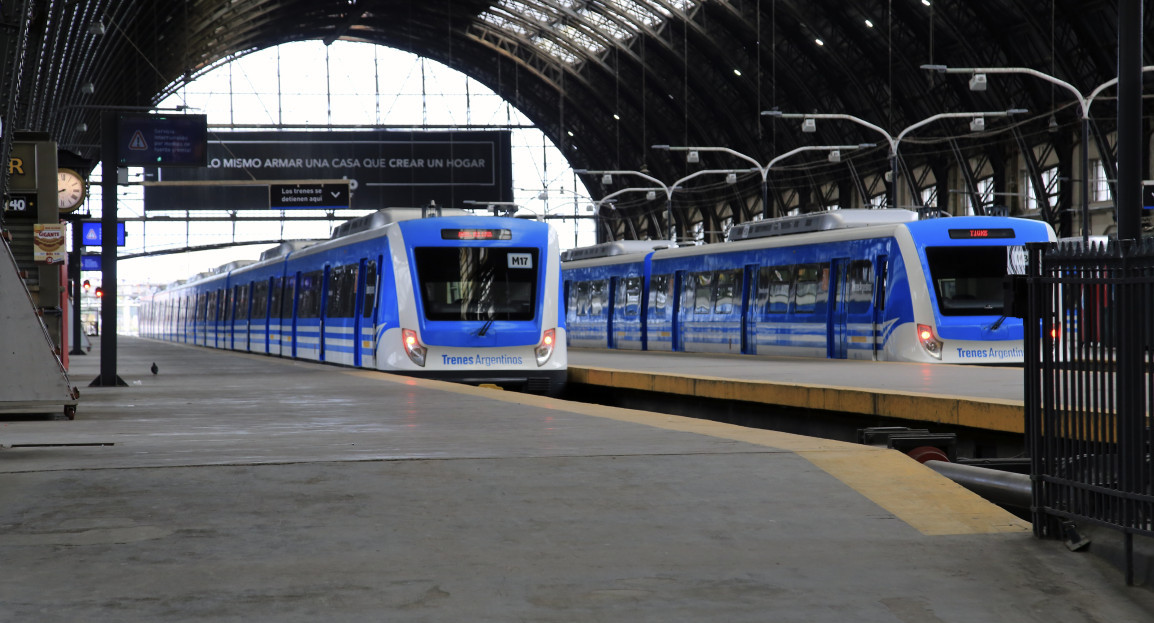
(929,341)
(544,350)
(413,347)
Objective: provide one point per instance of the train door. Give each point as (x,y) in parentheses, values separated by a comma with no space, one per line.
(326,285)
(364,328)
(879,304)
(681,285)
(748,300)
(837,331)
(290,303)
(610,312)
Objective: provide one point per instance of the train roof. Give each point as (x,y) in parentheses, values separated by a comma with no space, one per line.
(820,221)
(612,248)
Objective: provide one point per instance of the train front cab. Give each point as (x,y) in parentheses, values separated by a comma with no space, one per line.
(480,303)
(962,262)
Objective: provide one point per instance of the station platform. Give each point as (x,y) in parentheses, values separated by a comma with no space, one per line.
(232,487)
(982,397)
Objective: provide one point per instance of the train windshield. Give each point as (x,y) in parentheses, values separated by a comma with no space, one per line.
(477,283)
(968,280)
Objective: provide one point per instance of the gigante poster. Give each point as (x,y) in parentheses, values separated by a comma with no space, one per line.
(384,169)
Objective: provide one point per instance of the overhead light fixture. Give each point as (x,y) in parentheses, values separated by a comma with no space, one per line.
(82,127)
(819,41)
(737,72)
(570,132)
(809,125)
(978,124)
(616,116)
(96,28)
(693,157)
(978,82)
(543,195)
(651,195)
(1053,127)
(926,2)
(589,207)
(607,179)
(88,87)
(835,155)
(869,24)
(731,178)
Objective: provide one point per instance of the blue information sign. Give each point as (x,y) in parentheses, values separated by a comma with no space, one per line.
(91,262)
(93,236)
(162,140)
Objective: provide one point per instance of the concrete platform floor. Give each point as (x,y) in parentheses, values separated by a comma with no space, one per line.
(241,488)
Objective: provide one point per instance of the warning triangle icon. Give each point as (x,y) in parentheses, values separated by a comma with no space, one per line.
(93,234)
(137,141)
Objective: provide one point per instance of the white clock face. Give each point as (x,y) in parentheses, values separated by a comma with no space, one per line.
(70,190)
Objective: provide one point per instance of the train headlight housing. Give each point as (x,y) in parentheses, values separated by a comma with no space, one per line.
(929,341)
(413,347)
(544,350)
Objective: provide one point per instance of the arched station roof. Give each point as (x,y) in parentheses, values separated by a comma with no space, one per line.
(607,79)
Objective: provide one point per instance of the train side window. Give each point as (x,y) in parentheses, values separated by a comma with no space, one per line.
(631,288)
(659,293)
(288,296)
(242,309)
(861,286)
(809,278)
(342,292)
(773,293)
(310,295)
(260,299)
(703,295)
(370,289)
(728,285)
(597,297)
(212,306)
(583,298)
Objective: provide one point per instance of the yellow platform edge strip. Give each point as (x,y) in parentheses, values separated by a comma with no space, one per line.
(925,500)
(986,414)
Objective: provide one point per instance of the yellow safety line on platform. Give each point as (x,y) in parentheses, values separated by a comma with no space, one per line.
(985,414)
(919,496)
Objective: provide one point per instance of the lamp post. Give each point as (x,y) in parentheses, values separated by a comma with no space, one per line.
(607,178)
(763,170)
(977,125)
(612,198)
(978,83)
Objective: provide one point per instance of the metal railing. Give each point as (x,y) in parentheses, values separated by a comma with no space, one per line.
(1088,389)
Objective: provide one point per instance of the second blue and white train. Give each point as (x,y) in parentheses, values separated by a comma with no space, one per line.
(846,284)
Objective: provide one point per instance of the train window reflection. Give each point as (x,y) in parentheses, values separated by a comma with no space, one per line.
(967,280)
(477,283)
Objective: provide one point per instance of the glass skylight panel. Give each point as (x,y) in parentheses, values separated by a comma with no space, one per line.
(545,25)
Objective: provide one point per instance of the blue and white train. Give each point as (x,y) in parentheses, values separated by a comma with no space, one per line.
(845,284)
(472,299)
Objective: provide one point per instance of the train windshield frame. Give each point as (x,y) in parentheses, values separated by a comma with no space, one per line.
(967,280)
(460,283)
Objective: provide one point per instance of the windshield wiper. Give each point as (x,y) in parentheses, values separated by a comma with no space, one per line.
(484,329)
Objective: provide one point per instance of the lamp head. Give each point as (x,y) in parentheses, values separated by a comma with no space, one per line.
(809,125)
(731,178)
(693,157)
(651,195)
(606,179)
(978,124)
(978,82)
(834,155)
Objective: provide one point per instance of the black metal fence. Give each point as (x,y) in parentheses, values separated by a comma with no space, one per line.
(1089,389)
